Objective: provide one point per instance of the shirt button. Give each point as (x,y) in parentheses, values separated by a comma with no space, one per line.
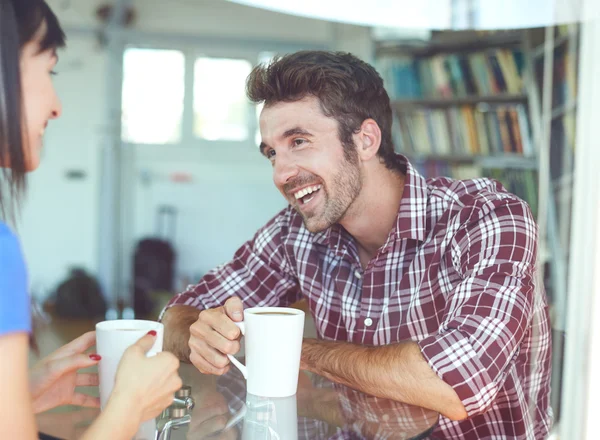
(368,322)
(357,274)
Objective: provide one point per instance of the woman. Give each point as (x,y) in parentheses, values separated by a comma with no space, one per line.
(29,37)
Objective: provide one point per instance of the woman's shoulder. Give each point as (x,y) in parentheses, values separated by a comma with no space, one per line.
(5,230)
(14,291)
(9,243)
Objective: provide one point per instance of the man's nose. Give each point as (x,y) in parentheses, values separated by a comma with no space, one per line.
(284,170)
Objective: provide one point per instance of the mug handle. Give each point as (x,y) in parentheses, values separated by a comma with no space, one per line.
(233,360)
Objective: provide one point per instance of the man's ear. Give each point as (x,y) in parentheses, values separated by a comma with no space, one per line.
(368,139)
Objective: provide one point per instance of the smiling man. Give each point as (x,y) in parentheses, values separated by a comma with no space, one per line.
(422,291)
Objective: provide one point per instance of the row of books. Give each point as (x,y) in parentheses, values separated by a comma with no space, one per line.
(562,143)
(523,183)
(465,130)
(486,73)
(564,77)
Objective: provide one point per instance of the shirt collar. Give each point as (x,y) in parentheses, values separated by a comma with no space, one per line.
(331,237)
(412,216)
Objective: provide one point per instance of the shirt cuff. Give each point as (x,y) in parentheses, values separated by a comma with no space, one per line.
(453,358)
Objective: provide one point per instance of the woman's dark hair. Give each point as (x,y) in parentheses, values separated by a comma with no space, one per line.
(21,21)
(349,90)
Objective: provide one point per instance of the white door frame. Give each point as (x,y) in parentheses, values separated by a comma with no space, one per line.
(580,398)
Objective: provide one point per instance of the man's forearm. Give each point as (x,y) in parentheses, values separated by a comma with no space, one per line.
(177,321)
(398,372)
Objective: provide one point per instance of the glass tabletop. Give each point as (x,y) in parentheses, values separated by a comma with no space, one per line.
(223,410)
(320,409)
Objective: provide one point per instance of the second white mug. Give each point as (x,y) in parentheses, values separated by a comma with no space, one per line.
(112,339)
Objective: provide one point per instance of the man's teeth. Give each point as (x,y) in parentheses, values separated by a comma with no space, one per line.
(306,191)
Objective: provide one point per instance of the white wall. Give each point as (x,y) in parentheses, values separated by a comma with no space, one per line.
(231,194)
(59,222)
(221,208)
(202,18)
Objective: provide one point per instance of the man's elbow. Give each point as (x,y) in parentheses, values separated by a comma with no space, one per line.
(177,321)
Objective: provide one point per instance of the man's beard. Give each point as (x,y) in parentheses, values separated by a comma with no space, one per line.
(346,186)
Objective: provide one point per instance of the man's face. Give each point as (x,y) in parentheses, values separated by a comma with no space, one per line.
(40,102)
(310,168)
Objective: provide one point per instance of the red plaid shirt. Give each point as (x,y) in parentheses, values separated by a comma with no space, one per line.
(456,275)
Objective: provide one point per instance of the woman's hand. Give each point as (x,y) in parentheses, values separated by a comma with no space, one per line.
(145,384)
(52,380)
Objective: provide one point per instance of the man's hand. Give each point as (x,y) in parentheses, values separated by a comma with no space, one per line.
(214,335)
(210,417)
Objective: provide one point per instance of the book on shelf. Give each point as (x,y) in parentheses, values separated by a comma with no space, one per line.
(564,77)
(465,130)
(484,73)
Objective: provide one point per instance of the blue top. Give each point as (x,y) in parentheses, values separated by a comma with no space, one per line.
(14,297)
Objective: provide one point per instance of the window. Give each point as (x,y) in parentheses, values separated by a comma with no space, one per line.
(221,109)
(153,95)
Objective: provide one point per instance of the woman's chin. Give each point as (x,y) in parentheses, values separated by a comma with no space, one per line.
(32,163)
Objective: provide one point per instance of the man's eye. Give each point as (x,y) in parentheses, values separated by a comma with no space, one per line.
(298,142)
(270,153)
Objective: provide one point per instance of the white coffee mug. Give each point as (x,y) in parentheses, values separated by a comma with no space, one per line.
(273,338)
(112,339)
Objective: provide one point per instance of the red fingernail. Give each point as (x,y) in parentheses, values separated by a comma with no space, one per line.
(95,357)
(152,332)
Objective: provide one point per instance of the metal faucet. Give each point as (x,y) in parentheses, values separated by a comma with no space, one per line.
(176,415)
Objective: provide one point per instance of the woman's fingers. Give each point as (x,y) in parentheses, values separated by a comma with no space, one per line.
(79,345)
(80,399)
(71,363)
(87,380)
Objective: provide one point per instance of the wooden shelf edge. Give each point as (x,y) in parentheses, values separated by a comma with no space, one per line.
(462,100)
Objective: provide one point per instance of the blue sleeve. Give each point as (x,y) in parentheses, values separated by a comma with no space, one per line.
(14,297)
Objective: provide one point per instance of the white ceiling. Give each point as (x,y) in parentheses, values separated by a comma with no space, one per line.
(437,14)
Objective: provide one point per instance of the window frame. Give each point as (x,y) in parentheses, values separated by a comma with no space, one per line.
(188,138)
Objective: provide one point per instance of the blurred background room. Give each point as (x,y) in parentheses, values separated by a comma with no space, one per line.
(152,176)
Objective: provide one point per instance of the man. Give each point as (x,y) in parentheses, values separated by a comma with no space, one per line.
(422,291)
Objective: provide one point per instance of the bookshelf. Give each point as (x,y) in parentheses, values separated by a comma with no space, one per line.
(461,100)
(553,57)
(501,105)
(462,108)
(447,42)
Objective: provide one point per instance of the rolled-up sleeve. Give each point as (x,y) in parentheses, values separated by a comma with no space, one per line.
(489,311)
(259,274)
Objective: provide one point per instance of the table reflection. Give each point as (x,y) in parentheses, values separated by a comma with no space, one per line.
(224,410)
(319,410)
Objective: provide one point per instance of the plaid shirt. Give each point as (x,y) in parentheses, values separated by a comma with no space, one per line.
(456,275)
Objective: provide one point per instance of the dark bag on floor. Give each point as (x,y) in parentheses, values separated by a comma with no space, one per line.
(154,263)
(79,297)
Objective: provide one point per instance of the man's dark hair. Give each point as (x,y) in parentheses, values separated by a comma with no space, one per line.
(20,22)
(349,90)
